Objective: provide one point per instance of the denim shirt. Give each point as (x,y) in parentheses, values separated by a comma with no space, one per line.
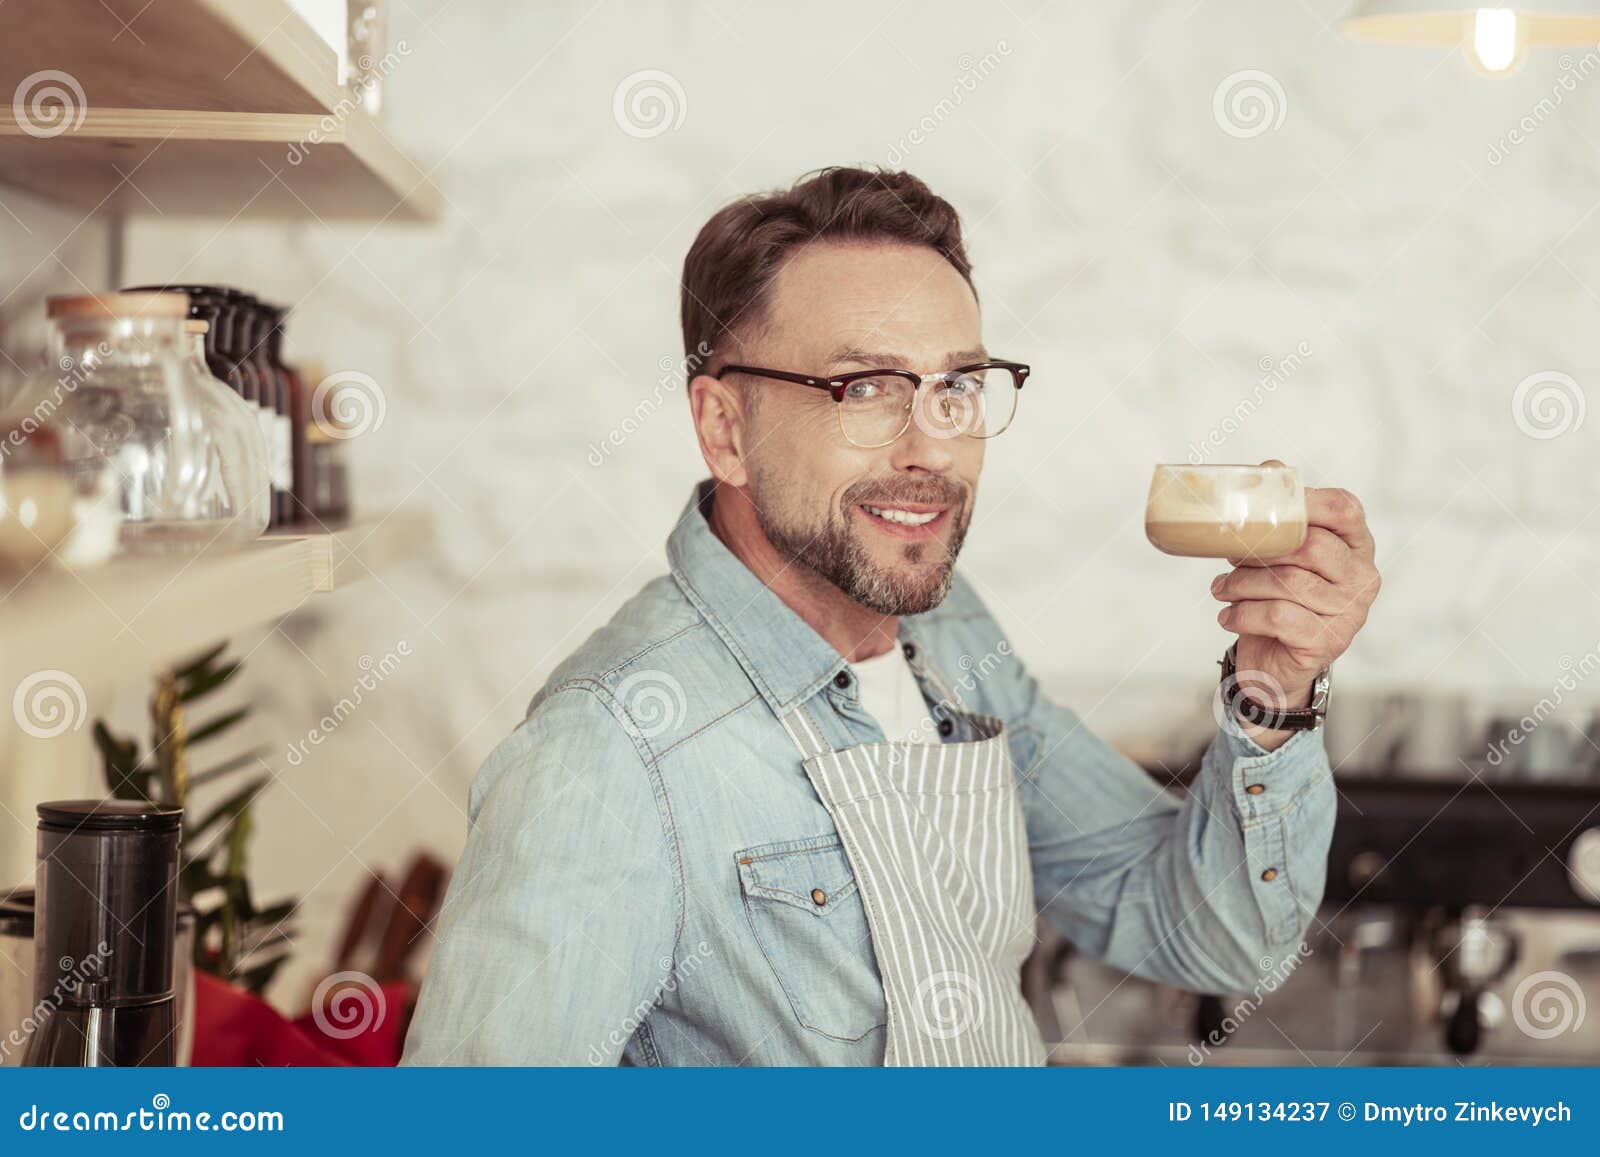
(641,873)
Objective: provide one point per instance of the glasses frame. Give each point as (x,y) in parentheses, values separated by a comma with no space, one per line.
(837,385)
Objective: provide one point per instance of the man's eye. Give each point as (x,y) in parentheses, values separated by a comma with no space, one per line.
(865,389)
(965,385)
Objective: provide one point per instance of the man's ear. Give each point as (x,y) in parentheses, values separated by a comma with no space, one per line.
(719,423)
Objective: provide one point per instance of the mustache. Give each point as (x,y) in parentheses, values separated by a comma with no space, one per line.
(934,492)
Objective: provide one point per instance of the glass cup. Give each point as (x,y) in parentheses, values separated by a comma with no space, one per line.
(1233,512)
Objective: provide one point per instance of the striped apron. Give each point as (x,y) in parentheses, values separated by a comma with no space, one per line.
(935,837)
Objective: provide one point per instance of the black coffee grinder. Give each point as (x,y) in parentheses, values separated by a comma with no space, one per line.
(104,934)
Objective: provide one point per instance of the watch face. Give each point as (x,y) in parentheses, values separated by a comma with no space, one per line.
(1322,693)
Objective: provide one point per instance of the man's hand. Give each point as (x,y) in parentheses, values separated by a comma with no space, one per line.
(1296,614)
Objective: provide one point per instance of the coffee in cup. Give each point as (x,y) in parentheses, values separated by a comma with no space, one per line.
(1226,511)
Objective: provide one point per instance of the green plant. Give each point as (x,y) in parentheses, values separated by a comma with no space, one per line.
(234,939)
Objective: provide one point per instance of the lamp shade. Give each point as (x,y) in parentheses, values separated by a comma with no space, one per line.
(1444,22)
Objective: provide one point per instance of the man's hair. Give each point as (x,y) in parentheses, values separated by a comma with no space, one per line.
(731,265)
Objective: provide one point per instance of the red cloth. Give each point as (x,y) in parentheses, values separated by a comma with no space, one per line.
(234,1027)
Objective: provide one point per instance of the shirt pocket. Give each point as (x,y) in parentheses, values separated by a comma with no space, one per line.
(805,910)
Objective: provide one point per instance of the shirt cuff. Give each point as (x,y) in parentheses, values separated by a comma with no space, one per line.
(1265,782)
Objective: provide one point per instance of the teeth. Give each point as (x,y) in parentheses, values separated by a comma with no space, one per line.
(904,517)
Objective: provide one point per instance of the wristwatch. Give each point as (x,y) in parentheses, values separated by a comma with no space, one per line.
(1242,707)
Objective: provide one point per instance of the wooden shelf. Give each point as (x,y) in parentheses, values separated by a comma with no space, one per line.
(203,107)
(344,555)
(140,611)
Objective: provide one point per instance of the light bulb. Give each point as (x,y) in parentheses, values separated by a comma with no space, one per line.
(1498,40)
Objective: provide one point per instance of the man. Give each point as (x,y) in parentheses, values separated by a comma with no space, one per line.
(799,802)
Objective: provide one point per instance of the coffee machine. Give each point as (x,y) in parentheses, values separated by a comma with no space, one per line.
(104,937)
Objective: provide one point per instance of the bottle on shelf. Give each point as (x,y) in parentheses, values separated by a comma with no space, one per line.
(245,339)
(294,389)
(206,303)
(239,465)
(328,476)
(264,321)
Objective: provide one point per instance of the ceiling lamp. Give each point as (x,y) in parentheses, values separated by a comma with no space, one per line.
(1494,39)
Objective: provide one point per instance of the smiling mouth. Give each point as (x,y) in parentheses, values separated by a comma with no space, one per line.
(912,519)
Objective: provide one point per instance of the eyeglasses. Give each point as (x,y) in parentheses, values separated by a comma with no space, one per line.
(876,406)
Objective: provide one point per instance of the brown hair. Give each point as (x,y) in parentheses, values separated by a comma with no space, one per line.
(731,265)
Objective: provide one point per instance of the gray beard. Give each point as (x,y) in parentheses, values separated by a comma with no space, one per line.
(836,553)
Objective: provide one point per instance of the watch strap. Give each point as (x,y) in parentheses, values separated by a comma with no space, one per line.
(1242,707)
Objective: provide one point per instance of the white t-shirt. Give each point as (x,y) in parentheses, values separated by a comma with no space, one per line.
(890,694)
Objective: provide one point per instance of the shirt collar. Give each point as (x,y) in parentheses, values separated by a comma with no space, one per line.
(785,658)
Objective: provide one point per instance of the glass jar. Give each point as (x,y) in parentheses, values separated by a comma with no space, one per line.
(238,467)
(127,426)
(230,356)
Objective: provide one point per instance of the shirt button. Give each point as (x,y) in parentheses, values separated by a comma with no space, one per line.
(910,649)
(946,727)
(842,680)
(818,897)
(1256,788)
(1270,875)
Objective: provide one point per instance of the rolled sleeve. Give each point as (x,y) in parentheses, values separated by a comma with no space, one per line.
(1285,803)
(1203,891)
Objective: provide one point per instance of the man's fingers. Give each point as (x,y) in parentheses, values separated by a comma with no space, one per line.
(1341,512)
(1290,623)
(1323,552)
(1293,583)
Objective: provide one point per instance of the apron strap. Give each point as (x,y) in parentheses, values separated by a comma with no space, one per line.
(803,730)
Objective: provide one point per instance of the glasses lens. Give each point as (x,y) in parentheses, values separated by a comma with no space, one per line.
(978,402)
(874,411)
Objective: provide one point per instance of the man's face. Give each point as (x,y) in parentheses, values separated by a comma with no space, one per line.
(859,517)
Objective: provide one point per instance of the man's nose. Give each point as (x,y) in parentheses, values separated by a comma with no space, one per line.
(930,440)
